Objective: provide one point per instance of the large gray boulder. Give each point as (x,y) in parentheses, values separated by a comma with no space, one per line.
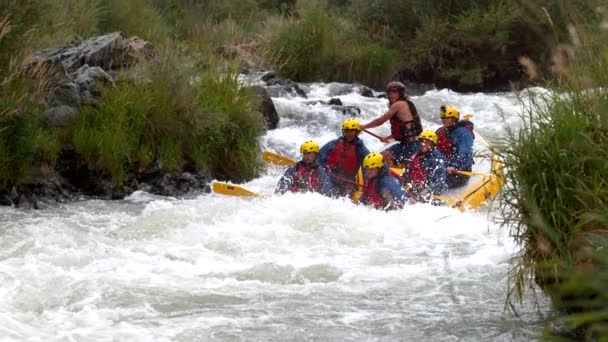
(266,107)
(60,116)
(108,52)
(278,87)
(88,80)
(77,70)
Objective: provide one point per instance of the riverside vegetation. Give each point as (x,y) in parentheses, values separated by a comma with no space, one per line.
(556,204)
(467,45)
(188,111)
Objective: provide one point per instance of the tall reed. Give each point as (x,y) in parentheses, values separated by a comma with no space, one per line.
(556,204)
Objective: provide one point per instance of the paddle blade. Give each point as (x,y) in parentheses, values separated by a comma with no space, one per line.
(277,159)
(233,190)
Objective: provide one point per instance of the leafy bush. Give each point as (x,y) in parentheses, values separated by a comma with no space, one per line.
(398,19)
(470,49)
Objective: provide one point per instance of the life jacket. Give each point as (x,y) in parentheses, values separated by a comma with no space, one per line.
(371,196)
(401,131)
(343,160)
(444,140)
(305,179)
(370,192)
(416,173)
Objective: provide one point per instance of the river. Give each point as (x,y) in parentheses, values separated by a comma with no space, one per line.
(292,268)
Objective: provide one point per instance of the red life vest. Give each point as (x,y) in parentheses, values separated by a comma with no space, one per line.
(416,173)
(444,141)
(406,130)
(343,160)
(305,179)
(370,196)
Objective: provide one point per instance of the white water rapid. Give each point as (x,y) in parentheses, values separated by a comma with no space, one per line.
(290,268)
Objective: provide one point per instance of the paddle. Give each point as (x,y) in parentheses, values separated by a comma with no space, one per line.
(471,173)
(374,135)
(481,139)
(234,190)
(277,159)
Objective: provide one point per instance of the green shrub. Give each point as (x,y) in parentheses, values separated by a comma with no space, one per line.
(134,17)
(556,201)
(317,47)
(284,7)
(470,48)
(228,127)
(19,129)
(137,122)
(174,115)
(48,143)
(370,64)
(17,18)
(303,50)
(102,136)
(238,10)
(398,19)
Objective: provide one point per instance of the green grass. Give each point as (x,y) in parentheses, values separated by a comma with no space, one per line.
(20,134)
(303,50)
(227,141)
(174,115)
(167,117)
(317,47)
(556,204)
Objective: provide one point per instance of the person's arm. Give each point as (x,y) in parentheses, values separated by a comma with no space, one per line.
(383,118)
(392,193)
(437,177)
(286,180)
(325,151)
(462,138)
(327,187)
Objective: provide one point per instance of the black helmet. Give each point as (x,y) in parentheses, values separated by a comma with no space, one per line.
(395,85)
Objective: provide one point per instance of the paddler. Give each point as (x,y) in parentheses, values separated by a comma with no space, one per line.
(382,189)
(306,175)
(426,175)
(455,141)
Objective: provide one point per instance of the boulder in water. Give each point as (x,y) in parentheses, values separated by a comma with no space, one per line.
(266,107)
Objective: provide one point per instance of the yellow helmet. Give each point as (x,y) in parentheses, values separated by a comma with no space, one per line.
(373,160)
(351,124)
(428,135)
(449,112)
(309,146)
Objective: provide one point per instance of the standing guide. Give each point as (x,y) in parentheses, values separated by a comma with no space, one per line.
(405,124)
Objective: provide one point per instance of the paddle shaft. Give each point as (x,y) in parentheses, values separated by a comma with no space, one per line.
(346,180)
(471,173)
(373,134)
